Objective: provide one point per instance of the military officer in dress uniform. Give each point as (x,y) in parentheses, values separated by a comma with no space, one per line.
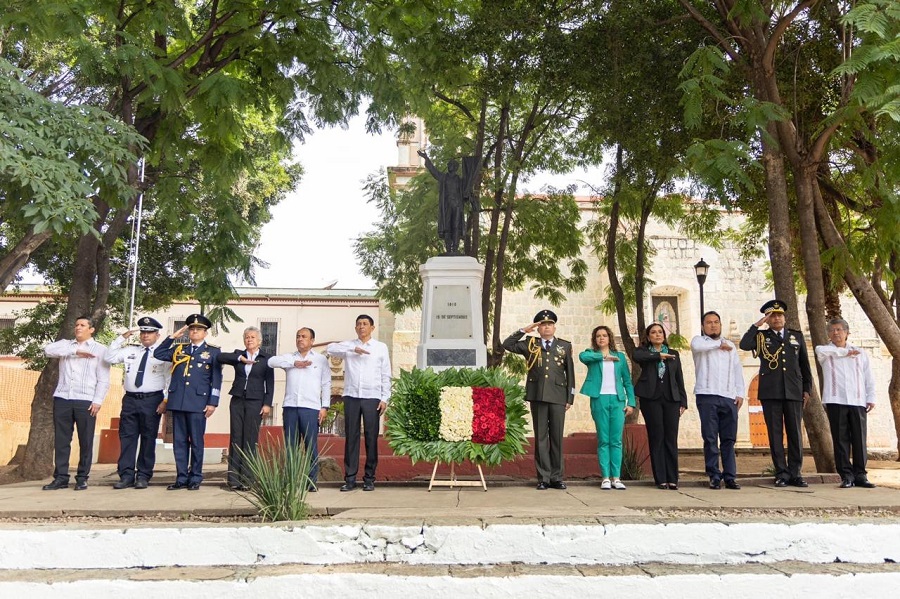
(550,390)
(193,396)
(146,380)
(785,381)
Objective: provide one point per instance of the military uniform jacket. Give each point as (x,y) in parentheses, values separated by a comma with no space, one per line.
(784,371)
(196,379)
(551,377)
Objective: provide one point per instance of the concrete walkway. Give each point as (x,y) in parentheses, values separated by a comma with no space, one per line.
(404,540)
(758,499)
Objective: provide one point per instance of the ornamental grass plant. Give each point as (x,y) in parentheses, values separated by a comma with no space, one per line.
(632,461)
(279,480)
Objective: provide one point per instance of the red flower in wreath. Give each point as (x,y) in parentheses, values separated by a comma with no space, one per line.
(489,415)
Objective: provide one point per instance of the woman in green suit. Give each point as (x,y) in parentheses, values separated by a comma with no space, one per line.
(608,384)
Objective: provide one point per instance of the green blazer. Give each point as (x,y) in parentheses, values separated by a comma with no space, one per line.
(594,381)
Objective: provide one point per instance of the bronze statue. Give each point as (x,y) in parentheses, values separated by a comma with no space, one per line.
(454,192)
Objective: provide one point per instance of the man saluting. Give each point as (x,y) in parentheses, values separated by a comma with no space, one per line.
(193,396)
(550,390)
(785,381)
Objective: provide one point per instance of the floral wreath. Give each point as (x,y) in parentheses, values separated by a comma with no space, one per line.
(457,415)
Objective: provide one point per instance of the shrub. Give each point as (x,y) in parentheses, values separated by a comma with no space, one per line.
(280,480)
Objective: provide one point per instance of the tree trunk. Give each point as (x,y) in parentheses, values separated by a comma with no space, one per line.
(782,261)
(817,428)
(894,396)
(18,256)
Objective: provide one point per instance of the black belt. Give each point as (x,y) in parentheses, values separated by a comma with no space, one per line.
(143,395)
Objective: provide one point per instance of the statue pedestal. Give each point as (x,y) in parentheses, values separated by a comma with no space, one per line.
(451,314)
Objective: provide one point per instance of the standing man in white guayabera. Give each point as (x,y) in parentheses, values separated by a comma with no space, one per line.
(367,388)
(720,393)
(849,395)
(307,396)
(83,383)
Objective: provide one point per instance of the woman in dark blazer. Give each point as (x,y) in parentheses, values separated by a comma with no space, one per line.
(251,399)
(663,400)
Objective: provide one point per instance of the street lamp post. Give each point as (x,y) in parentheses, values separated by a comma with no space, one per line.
(701,269)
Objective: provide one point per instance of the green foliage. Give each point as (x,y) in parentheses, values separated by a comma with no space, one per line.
(422,420)
(55,158)
(632,461)
(404,404)
(279,480)
(34,328)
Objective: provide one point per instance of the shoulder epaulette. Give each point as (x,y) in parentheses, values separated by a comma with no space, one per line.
(214,345)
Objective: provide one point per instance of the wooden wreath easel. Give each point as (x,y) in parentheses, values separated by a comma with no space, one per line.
(453,480)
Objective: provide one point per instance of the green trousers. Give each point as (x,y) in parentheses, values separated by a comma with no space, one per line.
(608,412)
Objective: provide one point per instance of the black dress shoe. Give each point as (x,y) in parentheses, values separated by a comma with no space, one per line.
(312,489)
(193,487)
(798,481)
(673,486)
(780,482)
(176,486)
(864,483)
(348,487)
(715,483)
(733,485)
(558,484)
(141,483)
(56,483)
(662,486)
(124,483)
(368,486)
(846,484)
(542,486)
(80,485)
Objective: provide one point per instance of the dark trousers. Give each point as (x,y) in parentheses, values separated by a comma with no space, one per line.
(355,409)
(303,423)
(783,415)
(549,421)
(69,415)
(188,430)
(848,434)
(718,427)
(138,423)
(244,437)
(662,417)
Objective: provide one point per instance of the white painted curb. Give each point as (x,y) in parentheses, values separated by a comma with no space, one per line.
(617,544)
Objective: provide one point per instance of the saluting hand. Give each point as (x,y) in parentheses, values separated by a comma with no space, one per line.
(530,327)
(360,351)
(84,354)
(179,332)
(725,346)
(302,363)
(246,360)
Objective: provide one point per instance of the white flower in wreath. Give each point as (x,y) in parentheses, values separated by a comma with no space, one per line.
(456,414)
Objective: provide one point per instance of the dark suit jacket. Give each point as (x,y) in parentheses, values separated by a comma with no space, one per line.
(196,381)
(645,386)
(552,378)
(260,384)
(789,376)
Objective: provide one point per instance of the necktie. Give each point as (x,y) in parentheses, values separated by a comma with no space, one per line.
(139,379)
(547,345)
